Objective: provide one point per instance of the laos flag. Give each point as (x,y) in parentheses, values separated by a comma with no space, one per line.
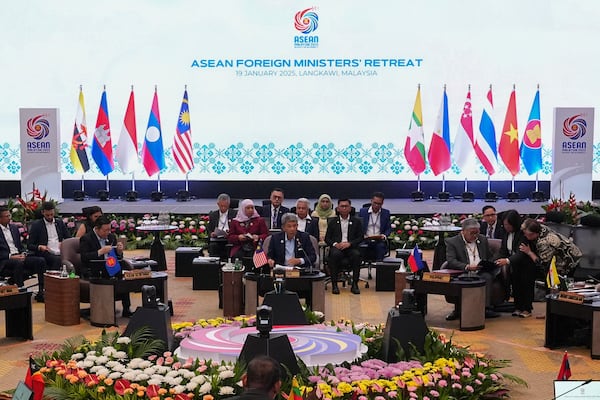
(153,154)
(102,152)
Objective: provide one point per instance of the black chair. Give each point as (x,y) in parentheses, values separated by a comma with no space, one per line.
(345,274)
(368,254)
(587,239)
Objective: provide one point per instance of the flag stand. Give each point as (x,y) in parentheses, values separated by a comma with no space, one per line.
(512,195)
(79,195)
(537,196)
(132,195)
(443,195)
(184,194)
(418,195)
(467,196)
(489,195)
(157,195)
(104,194)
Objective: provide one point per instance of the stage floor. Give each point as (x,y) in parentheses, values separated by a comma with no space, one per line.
(203,206)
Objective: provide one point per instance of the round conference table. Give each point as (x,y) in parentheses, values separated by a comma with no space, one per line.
(439,253)
(157,250)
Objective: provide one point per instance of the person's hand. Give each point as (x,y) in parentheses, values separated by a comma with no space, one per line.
(342,245)
(213,234)
(271,262)
(502,262)
(42,248)
(18,257)
(242,238)
(472,267)
(294,261)
(104,250)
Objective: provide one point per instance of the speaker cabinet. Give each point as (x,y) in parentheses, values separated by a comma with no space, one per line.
(275,345)
(158,320)
(404,328)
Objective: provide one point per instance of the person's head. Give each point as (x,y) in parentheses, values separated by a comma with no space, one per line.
(223,201)
(511,221)
(377,201)
(302,206)
(289,224)
(531,229)
(344,207)
(102,226)
(92,213)
(276,197)
(325,202)
(48,211)
(4,215)
(489,214)
(470,229)
(263,374)
(247,207)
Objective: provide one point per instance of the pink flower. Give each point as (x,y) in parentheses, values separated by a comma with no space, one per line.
(392,394)
(494,377)
(477,381)
(443,383)
(469,388)
(456,385)
(434,393)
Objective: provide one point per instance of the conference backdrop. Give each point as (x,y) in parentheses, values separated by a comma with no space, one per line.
(298,90)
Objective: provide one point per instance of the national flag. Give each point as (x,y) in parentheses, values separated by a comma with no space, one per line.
(565,369)
(127,148)
(295,393)
(35,380)
(439,149)
(531,146)
(464,142)
(552,278)
(415,262)
(112,264)
(485,138)
(509,140)
(153,155)
(78,155)
(414,148)
(102,144)
(182,144)
(259,258)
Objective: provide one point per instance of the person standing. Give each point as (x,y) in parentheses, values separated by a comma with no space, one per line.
(490,227)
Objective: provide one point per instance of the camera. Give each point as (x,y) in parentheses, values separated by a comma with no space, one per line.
(264,320)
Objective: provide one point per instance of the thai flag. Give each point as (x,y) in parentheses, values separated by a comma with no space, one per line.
(531,145)
(153,154)
(415,262)
(486,136)
(102,144)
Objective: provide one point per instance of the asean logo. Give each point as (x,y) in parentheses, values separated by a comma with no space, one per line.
(306,21)
(111,262)
(574,127)
(38,127)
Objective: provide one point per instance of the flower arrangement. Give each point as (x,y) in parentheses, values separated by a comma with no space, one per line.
(407,231)
(559,210)
(129,368)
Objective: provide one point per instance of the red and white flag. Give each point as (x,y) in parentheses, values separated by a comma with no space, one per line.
(127,148)
(182,144)
(260,257)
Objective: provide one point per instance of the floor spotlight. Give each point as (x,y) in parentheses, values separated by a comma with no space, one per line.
(491,196)
(444,196)
(183,195)
(538,196)
(513,196)
(468,196)
(102,194)
(156,196)
(78,195)
(417,195)
(131,195)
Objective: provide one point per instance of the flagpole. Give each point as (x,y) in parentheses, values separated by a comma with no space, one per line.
(512,187)
(466,184)
(186,181)
(82,183)
(158,181)
(418,182)
(489,183)
(107,185)
(443,182)
(536,182)
(133,181)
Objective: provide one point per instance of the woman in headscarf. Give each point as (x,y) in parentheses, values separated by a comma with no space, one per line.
(323,210)
(246,229)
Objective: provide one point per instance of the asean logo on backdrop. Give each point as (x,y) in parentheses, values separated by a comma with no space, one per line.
(38,128)
(574,128)
(306,22)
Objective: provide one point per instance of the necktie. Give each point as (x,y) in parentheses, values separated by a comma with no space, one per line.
(274,218)
(490,231)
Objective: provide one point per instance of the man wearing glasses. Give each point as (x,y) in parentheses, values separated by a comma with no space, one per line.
(490,227)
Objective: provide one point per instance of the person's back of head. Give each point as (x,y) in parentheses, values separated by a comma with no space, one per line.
(263,374)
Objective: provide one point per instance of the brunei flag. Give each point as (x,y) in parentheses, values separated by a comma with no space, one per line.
(78,156)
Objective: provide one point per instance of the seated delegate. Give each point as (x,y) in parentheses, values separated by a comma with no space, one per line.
(246,229)
(291,247)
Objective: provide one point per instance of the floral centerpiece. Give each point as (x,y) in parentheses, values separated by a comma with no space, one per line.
(561,211)
(408,231)
(129,368)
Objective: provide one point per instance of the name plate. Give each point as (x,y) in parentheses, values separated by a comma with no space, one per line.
(137,274)
(294,273)
(436,277)
(571,297)
(8,290)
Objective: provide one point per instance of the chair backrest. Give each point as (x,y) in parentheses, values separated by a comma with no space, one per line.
(495,246)
(315,244)
(587,239)
(266,244)
(69,251)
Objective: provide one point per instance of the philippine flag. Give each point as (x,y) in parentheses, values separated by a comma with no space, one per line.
(415,262)
(439,149)
(102,144)
(153,154)
(486,136)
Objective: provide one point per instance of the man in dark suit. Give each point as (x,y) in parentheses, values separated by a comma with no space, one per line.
(46,235)
(291,246)
(491,227)
(306,223)
(275,210)
(95,246)
(344,235)
(465,252)
(376,226)
(218,227)
(14,262)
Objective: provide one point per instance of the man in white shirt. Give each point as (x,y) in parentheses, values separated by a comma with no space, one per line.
(218,226)
(46,235)
(376,227)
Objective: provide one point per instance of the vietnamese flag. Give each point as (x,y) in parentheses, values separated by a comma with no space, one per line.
(509,140)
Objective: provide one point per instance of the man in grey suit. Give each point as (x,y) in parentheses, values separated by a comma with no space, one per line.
(344,235)
(218,227)
(466,251)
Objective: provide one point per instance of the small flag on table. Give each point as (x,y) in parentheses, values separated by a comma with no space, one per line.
(35,380)
(415,261)
(295,393)
(565,369)
(259,258)
(112,264)
(552,279)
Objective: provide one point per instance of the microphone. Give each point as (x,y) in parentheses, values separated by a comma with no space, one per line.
(301,249)
(570,390)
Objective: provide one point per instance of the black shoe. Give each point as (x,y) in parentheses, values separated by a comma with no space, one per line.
(452,316)
(354,289)
(39,297)
(126,313)
(491,314)
(335,289)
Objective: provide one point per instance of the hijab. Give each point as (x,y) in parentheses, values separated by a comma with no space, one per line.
(241,214)
(324,212)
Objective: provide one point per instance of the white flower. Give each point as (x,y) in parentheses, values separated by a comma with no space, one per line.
(188,219)
(393,226)
(123,340)
(145,364)
(87,363)
(406,227)
(15,210)
(177,237)
(191,385)
(226,374)
(103,371)
(142,377)
(205,388)
(138,238)
(407,222)
(102,360)
(199,379)
(182,223)
(415,227)
(76,356)
(171,374)
(422,238)
(121,355)
(167,237)
(155,381)
(192,223)
(194,237)
(114,375)
(122,236)
(397,239)
(150,370)
(179,389)
(411,238)
(130,375)
(226,390)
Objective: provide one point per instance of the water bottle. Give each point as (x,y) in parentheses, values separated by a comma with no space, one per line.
(64,273)
(238,265)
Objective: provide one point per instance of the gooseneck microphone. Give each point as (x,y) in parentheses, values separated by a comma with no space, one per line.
(570,390)
(308,260)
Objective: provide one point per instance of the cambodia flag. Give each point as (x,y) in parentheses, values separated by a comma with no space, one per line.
(486,137)
(439,150)
(531,146)
(565,369)
(414,147)
(112,264)
(127,148)
(153,154)
(509,141)
(415,262)
(102,145)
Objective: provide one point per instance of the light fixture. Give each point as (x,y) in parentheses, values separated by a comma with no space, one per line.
(78,195)
(444,196)
(417,195)
(468,196)
(491,196)
(131,195)
(156,196)
(513,196)
(102,194)
(183,195)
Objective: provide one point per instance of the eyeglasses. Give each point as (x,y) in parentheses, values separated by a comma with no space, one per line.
(489,215)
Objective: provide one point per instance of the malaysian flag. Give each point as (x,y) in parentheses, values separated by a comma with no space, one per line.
(259,258)
(182,145)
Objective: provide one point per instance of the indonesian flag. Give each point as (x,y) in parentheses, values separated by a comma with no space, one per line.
(509,141)
(127,148)
(414,148)
(439,149)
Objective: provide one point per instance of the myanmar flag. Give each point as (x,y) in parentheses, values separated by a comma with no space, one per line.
(414,148)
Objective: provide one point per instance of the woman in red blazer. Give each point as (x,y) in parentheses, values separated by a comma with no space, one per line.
(246,229)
